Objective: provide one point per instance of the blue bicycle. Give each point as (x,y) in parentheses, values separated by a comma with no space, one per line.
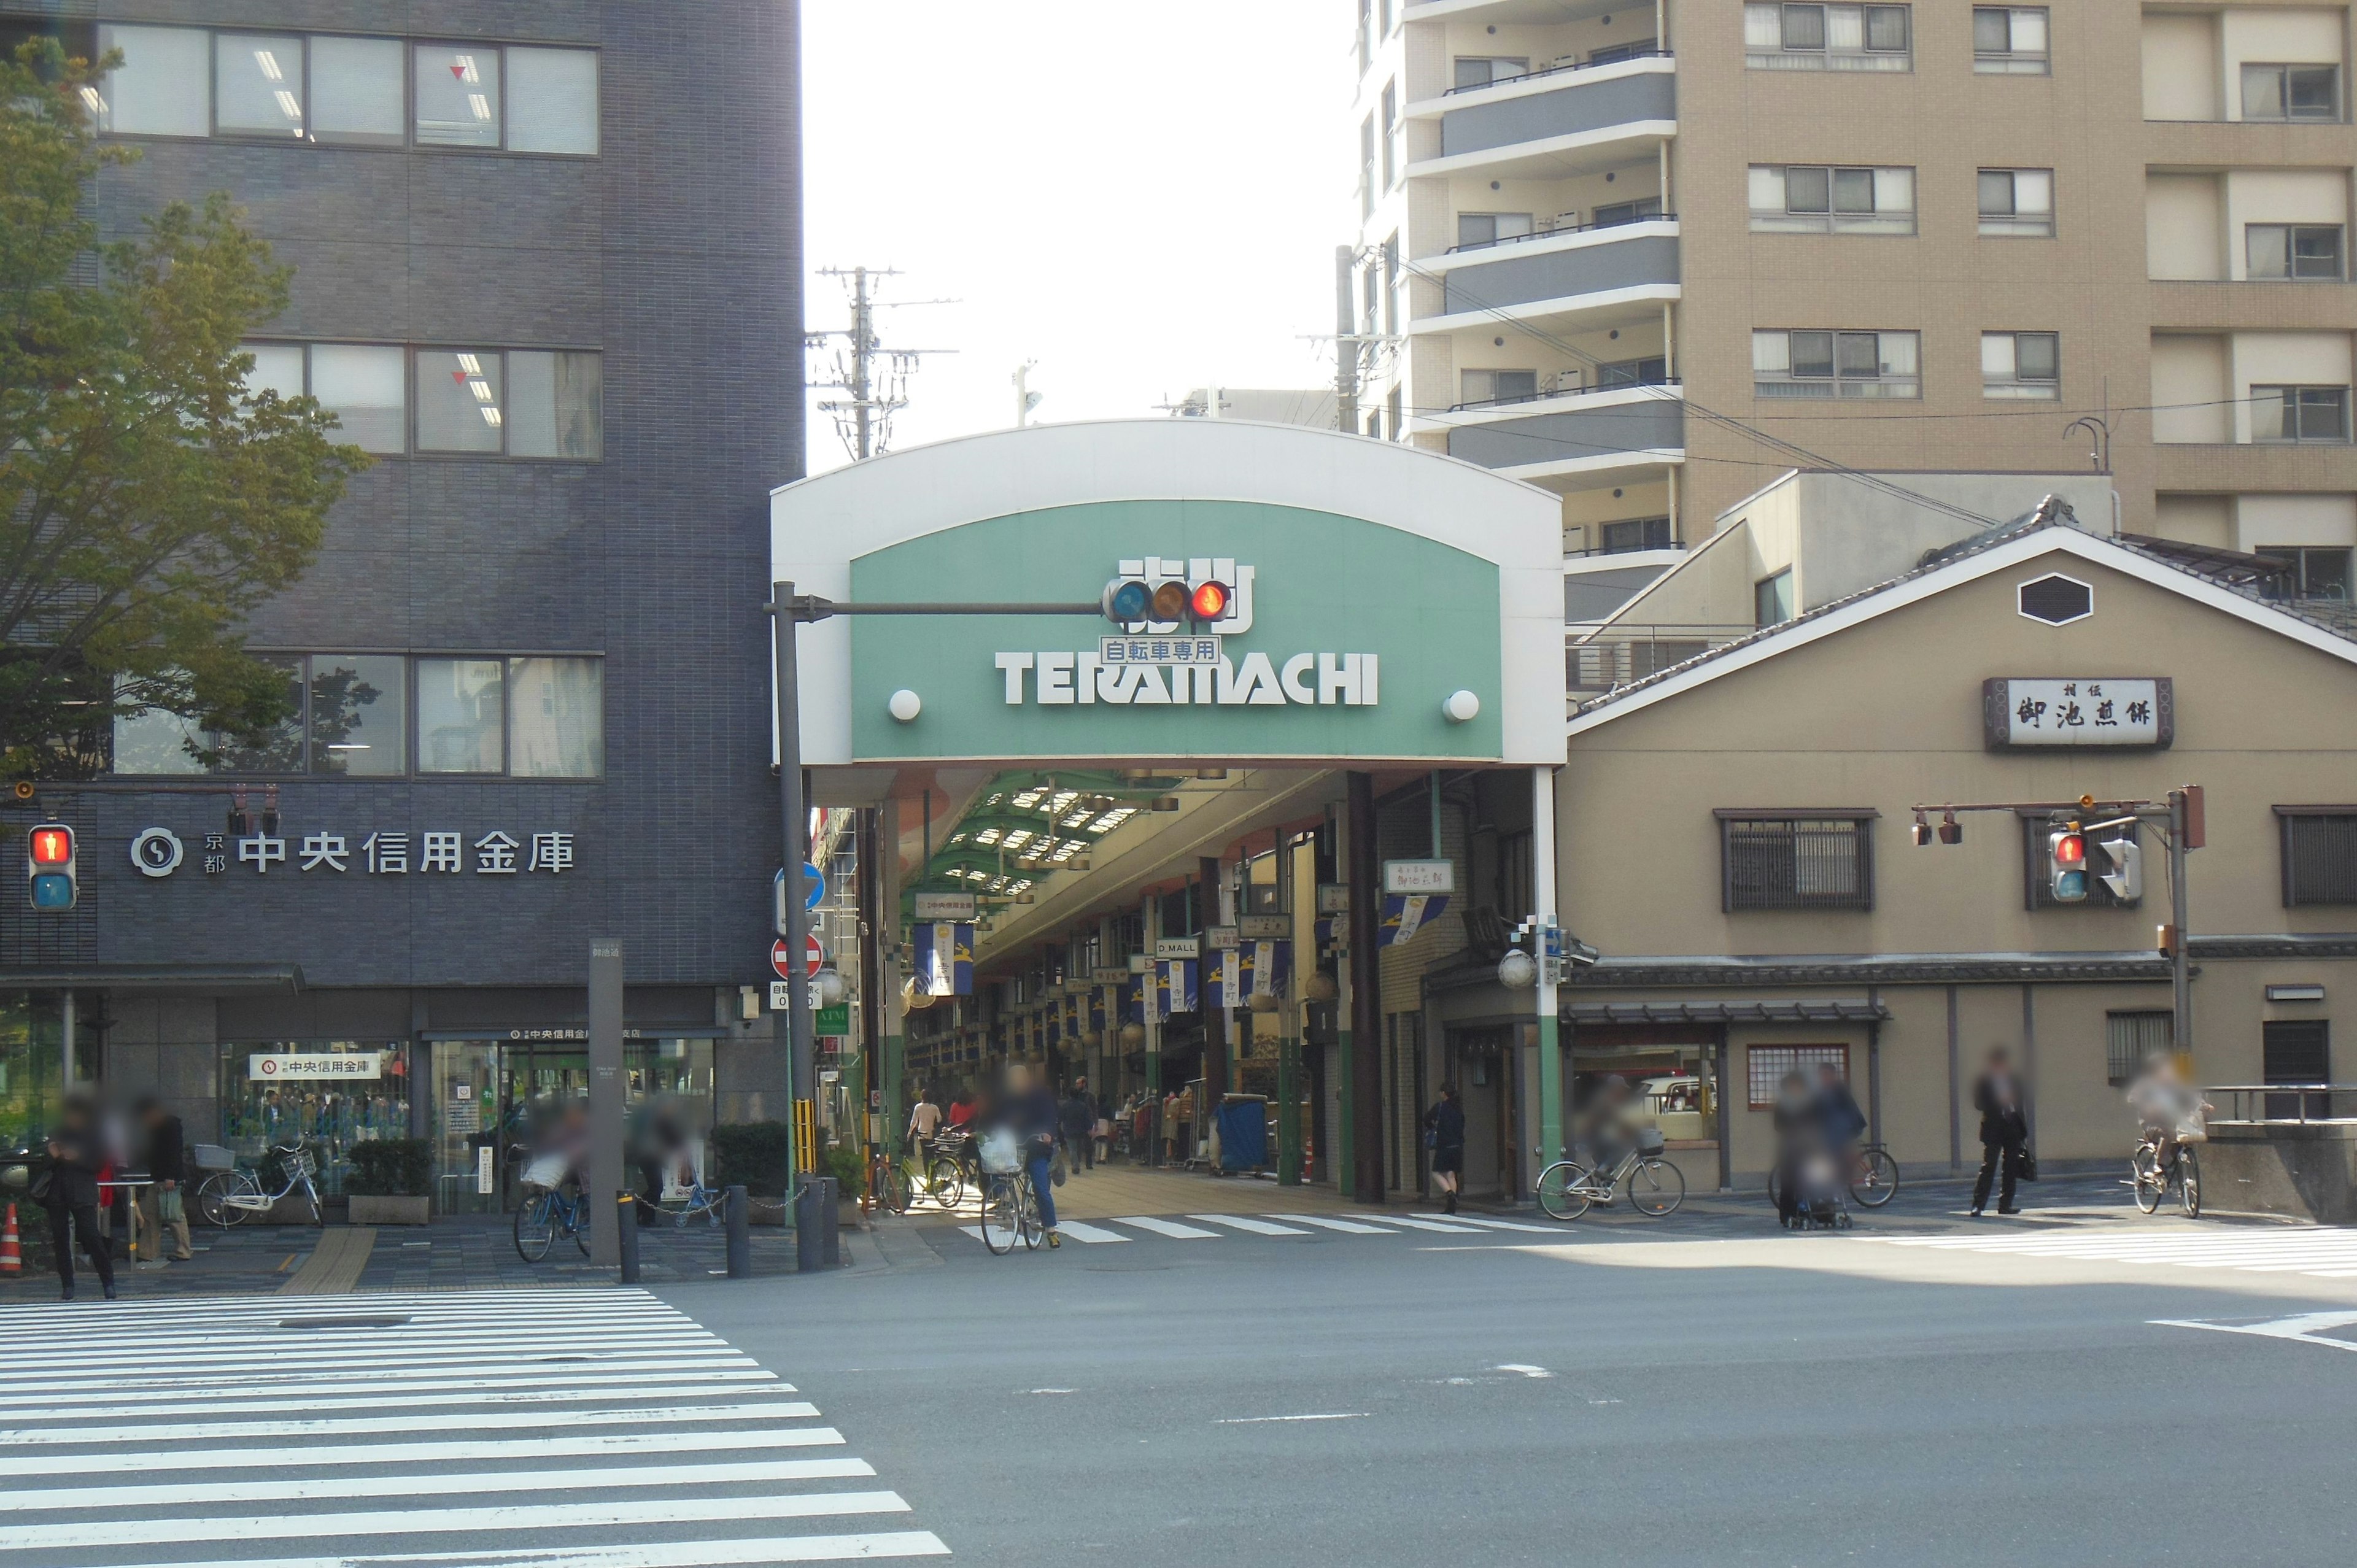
(546,1213)
(708,1204)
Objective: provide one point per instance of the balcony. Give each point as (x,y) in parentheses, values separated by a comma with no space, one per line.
(1571,273)
(1581,435)
(1573,119)
(1618,654)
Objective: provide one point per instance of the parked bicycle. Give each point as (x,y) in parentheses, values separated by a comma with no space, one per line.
(709,1204)
(1873,1178)
(553,1206)
(233,1197)
(2152,1177)
(918,1172)
(1654,1185)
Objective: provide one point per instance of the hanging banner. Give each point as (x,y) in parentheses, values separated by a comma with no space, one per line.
(1268,967)
(1132,1001)
(944,954)
(1097,1008)
(1223,981)
(1404,914)
(1174,986)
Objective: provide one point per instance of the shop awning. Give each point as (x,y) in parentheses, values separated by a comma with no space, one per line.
(1600,1014)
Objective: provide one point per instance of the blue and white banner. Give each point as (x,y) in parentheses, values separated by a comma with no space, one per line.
(945,959)
(1132,1001)
(1174,986)
(1404,914)
(1268,967)
(1223,981)
(1097,1006)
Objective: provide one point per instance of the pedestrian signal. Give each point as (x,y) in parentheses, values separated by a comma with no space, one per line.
(2066,864)
(49,868)
(2121,867)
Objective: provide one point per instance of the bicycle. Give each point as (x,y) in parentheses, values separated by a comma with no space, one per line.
(919,1171)
(2152,1179)
(1873,1181)
(233,1197)
(1655,1188)
(1010,1210)
(547,1212)
(709,1204)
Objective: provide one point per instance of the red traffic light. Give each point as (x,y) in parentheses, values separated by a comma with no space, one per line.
(53,845)
(1209,601)
(2069,849)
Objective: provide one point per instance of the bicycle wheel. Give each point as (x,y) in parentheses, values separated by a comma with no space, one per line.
(1776,1186)
(945,1182)
(999,1220)
(535,1227)
(895,1193)
(1559,1193)
(2151,1183)
(577,1221)
(1027,1213)
(1876,1182)
(1656,1188)
(2188,1183)
(212,1198)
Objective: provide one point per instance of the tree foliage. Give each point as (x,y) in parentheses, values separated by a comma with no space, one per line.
(148,501)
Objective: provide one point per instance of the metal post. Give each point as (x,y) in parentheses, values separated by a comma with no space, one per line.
(740,1236)
(1288,1034)
(625,1242)
(1346,344)
(830,1221)
(2180,970)
(1543,890)
(809,1222)
(802,1069)
(1216,1025)
(1955,1101)
(608,1088)
(1366,999)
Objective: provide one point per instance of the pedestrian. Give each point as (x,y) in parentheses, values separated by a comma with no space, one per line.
(69,1190)
(924,1120)
(1080,1118)
(1029,1111)
(1444,1134)
(166,1205)
(1799,1138)
(2005,1133)
(961,1108)
(1837,1107)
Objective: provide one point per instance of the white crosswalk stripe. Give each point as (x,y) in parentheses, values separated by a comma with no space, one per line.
(1095,1236)
(1246,1223)
(1170,1227)
(2322,1252)
(463,1430)
(1218,1227)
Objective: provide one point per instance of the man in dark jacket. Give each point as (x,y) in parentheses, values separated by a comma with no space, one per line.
(1080,1118)
(2005,1131)
(76,1157)
(166,1162)
(1444,1134)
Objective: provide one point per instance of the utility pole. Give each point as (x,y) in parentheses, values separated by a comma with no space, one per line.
(876,377)
(1346,343)
(1026,400)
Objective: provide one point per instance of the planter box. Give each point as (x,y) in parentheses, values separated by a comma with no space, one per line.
(366,1210)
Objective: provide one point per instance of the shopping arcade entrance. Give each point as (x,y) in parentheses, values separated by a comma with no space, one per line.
(1397,617)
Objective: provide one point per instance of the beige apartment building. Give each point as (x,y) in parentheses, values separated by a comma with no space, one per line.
(1650,255)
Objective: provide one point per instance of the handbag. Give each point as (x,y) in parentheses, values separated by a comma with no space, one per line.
(43,1191)
(2026,1169)
(171,1208)
(1057,1171)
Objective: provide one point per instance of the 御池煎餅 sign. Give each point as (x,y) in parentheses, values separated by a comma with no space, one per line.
(2078,710)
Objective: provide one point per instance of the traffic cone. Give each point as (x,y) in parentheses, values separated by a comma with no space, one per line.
(12,1255)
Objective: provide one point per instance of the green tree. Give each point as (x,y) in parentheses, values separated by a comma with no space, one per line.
(148,501)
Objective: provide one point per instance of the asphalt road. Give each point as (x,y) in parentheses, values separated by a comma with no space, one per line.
(1629,1395)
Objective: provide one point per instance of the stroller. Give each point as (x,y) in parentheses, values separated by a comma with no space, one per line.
(1820,1199)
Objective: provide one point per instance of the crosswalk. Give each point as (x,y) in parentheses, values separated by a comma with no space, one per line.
(1234,1227)
(2318,1252)
(531,1429)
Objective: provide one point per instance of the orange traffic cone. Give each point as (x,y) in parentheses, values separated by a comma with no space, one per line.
(12,1255)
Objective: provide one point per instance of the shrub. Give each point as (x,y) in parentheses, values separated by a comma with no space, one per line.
(392,1167)
(751,1155)
(848,1166)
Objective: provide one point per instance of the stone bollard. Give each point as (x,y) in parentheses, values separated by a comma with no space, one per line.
(626,1233)
(808,1221)
(831,1223)
(740,1238)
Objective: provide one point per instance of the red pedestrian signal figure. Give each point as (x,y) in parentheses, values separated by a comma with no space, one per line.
(49,868)
(2066,862)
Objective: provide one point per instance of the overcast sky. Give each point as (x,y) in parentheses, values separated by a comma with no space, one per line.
(1142,198)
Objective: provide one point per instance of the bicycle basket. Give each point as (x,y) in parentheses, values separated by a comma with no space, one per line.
(1001,1154)
(300,1163)
(548,1170)
(212,1157)
(1649,1142)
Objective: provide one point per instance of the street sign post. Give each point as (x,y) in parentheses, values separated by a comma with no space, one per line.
(813,893)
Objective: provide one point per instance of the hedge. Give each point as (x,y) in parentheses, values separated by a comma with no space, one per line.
(391,1167)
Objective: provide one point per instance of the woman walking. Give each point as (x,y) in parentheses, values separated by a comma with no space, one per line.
(1444,1134)
(75,1158)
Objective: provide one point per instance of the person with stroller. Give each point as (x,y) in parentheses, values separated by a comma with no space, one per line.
(1800,1151)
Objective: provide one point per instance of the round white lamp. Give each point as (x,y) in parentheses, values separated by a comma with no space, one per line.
(1517,969)
(906,705)
(1458,707)
(828,986)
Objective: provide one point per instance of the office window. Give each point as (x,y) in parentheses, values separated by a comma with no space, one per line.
(1819,363)
(2018,202)
(1776,861)
(2310,571)
(1367,166)
(358,714)
(1476,230)
(2021,364)
(2291,93)
(258,85)
(2010,40)
(2292,253)
(1766,1066)
(461,715)
(552,101)
(1366,34)
(362,384)
(159,88)
(1484,387)
(1827,38)
(2300,413)
(1771,599)
(2319,855)
(556,405)
(2130,1039)
(459,407)
(457,95)
(2036,875)
(1392,412)
(556,711)
(1650,371)
(1480,70)
(1637,533)
(278,368)
(1393,306)
(356,91)
(1391,134)
(1806,198)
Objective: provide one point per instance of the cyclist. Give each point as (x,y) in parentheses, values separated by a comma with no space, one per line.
(2168,1107)
(1608,1127)
(1031,1114)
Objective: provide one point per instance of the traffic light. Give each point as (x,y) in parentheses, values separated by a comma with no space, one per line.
(49,868)
(2121,867)
(2066,865)
(1131,601)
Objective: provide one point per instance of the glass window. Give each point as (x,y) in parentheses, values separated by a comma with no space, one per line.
(1804,27)
(556,405)
(461,717)
(32,1065)
(2010,40)
(1813,354)
(1481,70)
(2284,253)
(358,714)
(363,386)
(159,88)
(2320,856)
(1797,863)
(1771,599)
(356,94)
(1475,230)
(326,1109)
(552,101)
(278,368)
(2020,364)
(1886,28)
(258,85)
(2310,571)
(2300,413)
(1817,364)
(151,743)
(280,748)
(1852,190)
(1808,191)
(560,717)
(459,401)
(457,95)
(2018,202)
(2291,93)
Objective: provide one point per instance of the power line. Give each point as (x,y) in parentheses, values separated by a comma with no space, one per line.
(876,377)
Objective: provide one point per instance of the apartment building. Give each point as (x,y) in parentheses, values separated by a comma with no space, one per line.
(1650,256)
(546,269)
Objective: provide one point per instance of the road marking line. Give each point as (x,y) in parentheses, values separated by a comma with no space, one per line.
(401,1398)
(444,1453)
(1451,1227)
(576,1514)
(445,1350)
(1348,1227)
(735,1365)
(444,1483)
(1494,1224)
(1092,1234)
(1524,1368)
(762,1550)
(1257,1420)
(1257,1227)
(1168,1228)
(212,1431)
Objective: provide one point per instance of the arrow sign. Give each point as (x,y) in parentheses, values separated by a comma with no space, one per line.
(813,891)
(813,956)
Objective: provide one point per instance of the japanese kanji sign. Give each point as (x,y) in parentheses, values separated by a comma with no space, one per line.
(436,852)
(2102,710)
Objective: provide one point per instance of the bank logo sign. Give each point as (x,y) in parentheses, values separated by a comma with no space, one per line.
(1189,662)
